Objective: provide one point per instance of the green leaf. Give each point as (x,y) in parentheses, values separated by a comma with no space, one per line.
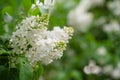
(41,1)
(34,11)
(26,4)
(4,59)
(2,68)
(8,9)
(8,73)
(33,1)
(2,30)
(38,70)
(26,71)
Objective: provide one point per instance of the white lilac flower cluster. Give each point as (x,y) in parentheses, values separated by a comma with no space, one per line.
(113,71)
(114,6)
(113,26)
(101,51)
(46,6)
(92,68)
(79,17)
(33,40)
(109,69)
(47,3)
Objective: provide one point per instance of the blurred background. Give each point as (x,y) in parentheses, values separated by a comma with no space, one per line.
(93,53)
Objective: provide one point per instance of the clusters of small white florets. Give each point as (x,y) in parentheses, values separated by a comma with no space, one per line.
(114,6)
(45,6)
(79,17)
(92,68)
(114,71)
(113,26)
(37,43)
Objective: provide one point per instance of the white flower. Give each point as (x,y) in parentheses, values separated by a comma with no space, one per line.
(80,19)
(87,4)
(96,2)
(100,21)
(114,6)
(108,69)
(116,72)
(7,18)
(92,68)
(37,43)
(113,26)
(101,51)
(47,4)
